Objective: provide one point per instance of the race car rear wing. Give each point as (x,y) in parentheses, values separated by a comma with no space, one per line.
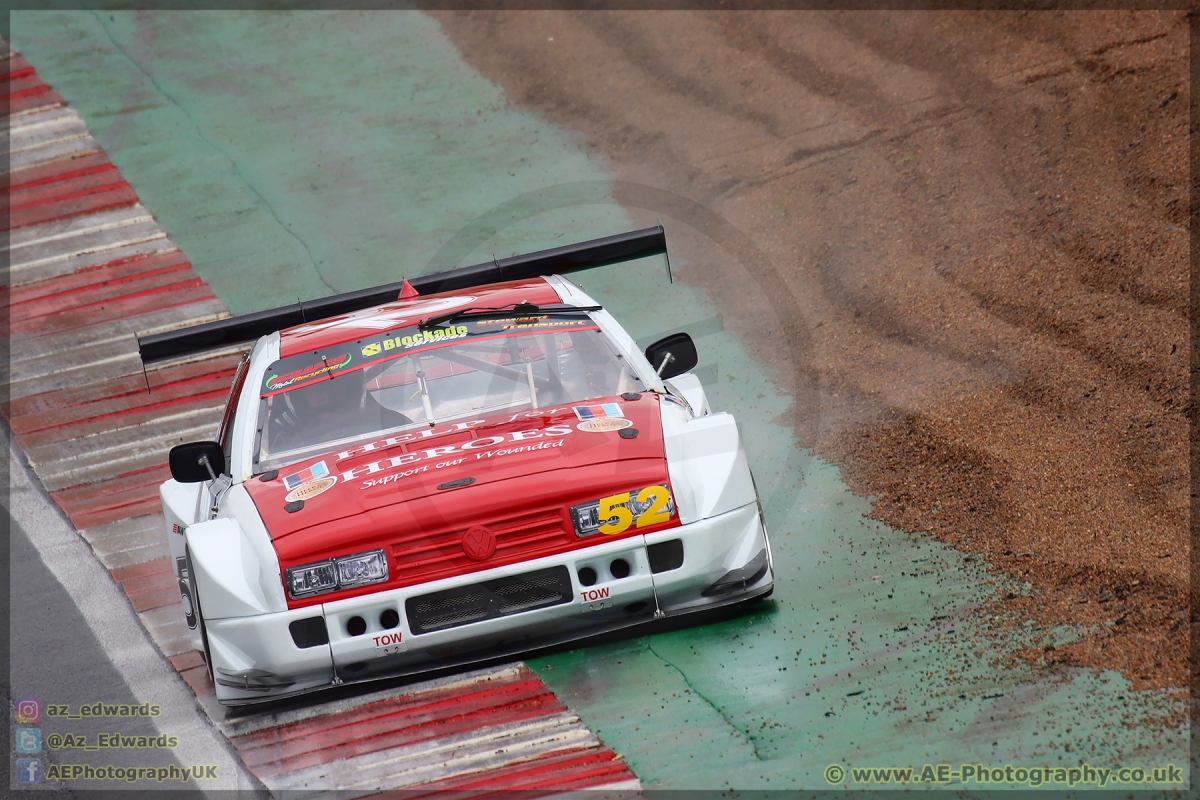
(247,327)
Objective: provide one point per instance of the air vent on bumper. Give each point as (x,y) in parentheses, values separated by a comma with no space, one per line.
(665,556)
(309,632)
(489,600)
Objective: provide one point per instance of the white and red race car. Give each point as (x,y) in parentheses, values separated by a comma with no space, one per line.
(450,477)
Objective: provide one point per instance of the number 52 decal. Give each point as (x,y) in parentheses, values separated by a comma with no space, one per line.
(641,507)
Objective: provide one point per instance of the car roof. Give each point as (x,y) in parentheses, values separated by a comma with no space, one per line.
(372,322)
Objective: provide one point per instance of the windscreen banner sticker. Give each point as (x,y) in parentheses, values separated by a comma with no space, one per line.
(301,370)
(307,374)
(317,470)
(526,323)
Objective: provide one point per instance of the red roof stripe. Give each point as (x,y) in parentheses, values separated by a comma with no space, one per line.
(337,330)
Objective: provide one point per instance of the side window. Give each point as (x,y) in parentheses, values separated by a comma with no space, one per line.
(225,432)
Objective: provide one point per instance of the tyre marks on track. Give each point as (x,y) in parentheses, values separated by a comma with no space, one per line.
(89,268)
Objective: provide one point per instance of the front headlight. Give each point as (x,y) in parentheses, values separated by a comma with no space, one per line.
(311,579)
(617,513)
(359,569)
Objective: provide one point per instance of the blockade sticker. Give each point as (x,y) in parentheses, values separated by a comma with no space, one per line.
(311,489)
(317,470)
(434,336)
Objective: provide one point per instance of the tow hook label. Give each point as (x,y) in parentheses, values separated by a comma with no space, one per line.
(389,644)
(590,595)
(596,599)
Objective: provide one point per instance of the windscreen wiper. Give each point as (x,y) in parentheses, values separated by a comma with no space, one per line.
(518,308)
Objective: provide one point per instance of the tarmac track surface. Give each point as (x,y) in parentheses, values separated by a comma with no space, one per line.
(230,129)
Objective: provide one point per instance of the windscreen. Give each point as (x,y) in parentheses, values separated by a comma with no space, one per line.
(414,377)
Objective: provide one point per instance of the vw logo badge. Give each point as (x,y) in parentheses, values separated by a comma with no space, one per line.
(478,542)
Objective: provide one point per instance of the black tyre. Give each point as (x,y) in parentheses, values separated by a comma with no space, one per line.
(199,614)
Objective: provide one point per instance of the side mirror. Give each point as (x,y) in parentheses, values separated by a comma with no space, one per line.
(673,355)
(195,462)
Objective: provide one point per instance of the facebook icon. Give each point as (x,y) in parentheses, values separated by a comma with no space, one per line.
(29,770)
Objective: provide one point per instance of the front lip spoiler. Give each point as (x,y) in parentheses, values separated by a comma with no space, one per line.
(648,619)
(741,577)
(253,680)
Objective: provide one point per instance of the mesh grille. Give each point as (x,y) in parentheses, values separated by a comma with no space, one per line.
(442,604)
(489,600)
(455,618)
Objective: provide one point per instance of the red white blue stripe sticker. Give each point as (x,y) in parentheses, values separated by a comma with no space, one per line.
(317,470)
(599,411)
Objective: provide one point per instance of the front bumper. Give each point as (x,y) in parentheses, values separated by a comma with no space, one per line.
(257,658)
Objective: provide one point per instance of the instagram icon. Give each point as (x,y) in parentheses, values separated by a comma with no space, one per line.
(27,709)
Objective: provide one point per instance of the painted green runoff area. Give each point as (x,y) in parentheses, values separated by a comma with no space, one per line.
(296,154)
